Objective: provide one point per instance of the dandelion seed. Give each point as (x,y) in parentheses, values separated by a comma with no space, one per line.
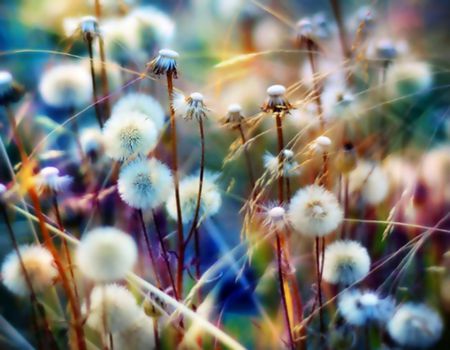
(415,325)
(165,63)
(360,308)
(290,165)
(210,202)
(129,134)
(276,102)
(345,262)
(10,90)
(112,308)
(145,183)
(49,179)
(139,336)
(314,211)
(66,85)
(106,254)
(147,105)
(39,265)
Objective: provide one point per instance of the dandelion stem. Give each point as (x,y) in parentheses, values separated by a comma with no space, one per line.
(279,123)
(180,268)
(247,156)
(15,131)
(98,115)
(335,5)
(165,254)
(149,247)
(319,285)
(104,77)
(311,47)
(283,292)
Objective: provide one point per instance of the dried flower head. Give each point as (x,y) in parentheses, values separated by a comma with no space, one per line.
(106,254)
(210,202)
(290,165)
(129,134)
(165,63)
(145,183)
(234,115)
(415,325)
(314,211)
(10,90)
(359,308)
(345,262)
(195,107)
(276,101)
(39,266)
(49,179)
(66,85)
(145,104)
(89,27)
(111,308)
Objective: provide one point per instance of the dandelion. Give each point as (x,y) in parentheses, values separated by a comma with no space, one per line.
(314,211)
(386,50)
(234,115)
(10,90)
(345,262)
(359,308)
(106,254)
(138,336)
(194,107)
(40,269)
(128,135)
(408,78)
(290,165)
(138,102)
(275,217)
(321,145)
(145,183)
(371,181)
(210,203)
(415,325)
(165,63)
(49,179)
(91,140)
(112,308)
(276,101)
(67,85)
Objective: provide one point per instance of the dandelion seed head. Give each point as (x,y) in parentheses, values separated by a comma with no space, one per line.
(304,27)
(10,90)
(3,189)
(129,134)
(408,78)
(6,81)
(321,144)
(165,63)
(275,216)
(145,183)
(415,325)
(48,178)
(111,307)
(39,265)
(314,211)
(210,202)
(290,166)
(66,85)
(234,114)
(106,254)
(91,140)
(359,308)
(386,49)
(276,101)
(371,181)
(234,108)
(89,27)
(138,336)
(195,107)
(138,102)
(345,262)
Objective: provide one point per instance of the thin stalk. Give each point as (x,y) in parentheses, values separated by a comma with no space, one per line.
(279,124)
(346,205)
(104,77)
(283,292)
(15,132)
(98,113)
(33,298)
(316,88)
(335,5)
(149,247)
(180,268)
(319,285)
(64,243)
(193,229)
(247,156)
(165,255)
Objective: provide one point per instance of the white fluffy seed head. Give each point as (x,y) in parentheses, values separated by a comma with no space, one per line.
(66,85)
(304,27)
(210,202)
(290,166)
(359,308)
(345,262)
(112,308)
(106,254)
(48,178)
(91,140)
(165,63)
(6,82)
(371,181)
(137,337)
(314,211)
(276,90)
(129,134)
(145,183)
(408,78)
(138,102)
(275,216)
(234,108)
(39,265)
(321,144)
(415,325)
(168,53)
